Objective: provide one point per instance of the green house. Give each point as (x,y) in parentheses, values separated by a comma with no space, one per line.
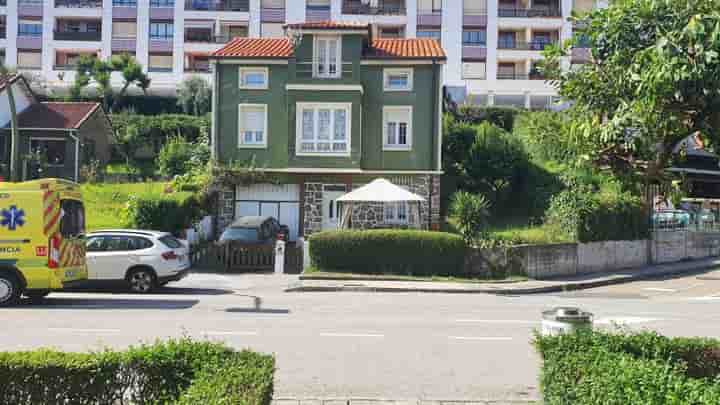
(323,111)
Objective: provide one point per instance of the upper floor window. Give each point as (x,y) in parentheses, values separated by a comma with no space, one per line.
(474,37)
(124,29)
(431,34)
(323,129)
(327,57)
(400,79)
(427,6)
(397,124)
(162,3)
(252,123)
(253,78)
(162,30)
(391,32)
(124,3)
(29,30)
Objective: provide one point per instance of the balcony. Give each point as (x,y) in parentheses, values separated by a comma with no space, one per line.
(529,12)
(317,13)
(474,52)
(429,18)
(77,36)
(127,44)
(512,76)
(198,66)
(213,5)
(388,7)
(525,46)
(3,30)
(78,3)
(475,19)
(207,38)
(30,8)
(272,15)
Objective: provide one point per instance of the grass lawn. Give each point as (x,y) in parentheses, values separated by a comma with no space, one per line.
(517,230)
(104,202)
(320,274)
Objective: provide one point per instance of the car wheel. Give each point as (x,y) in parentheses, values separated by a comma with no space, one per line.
(10,290)
(37,295)
(142,281)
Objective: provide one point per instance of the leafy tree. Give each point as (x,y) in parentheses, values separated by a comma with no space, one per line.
(472,213)
(90,69)
(653,81)
(194,96)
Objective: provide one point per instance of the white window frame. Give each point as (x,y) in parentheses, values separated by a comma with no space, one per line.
(394,217)
(241,143)
(409,135)
(245,70)
(316,106)
(398,71)
(338,57)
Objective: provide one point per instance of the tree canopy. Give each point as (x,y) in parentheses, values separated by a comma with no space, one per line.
(654,79)
(90,68)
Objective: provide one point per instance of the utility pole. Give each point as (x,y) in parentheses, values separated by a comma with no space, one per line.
(14,133)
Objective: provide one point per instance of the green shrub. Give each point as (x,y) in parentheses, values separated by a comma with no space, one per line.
(472,214)
(174,157)
(503,117)
(406,252)
(642,368)
(162,213)
(148,374)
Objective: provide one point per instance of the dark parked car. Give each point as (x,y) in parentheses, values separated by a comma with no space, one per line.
(255,231)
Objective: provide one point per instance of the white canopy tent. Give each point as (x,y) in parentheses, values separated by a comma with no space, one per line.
(383,191)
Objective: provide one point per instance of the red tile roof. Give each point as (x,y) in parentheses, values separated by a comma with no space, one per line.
(420,48)
(256,48)
(56,115)
(328,25)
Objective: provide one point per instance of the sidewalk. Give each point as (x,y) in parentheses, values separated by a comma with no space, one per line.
(523,287)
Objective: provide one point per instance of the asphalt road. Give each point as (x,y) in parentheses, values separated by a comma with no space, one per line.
(400,346)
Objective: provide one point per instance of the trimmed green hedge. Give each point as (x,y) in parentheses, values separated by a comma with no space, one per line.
(640,368)
(177,371)
(162,213)
(405,252)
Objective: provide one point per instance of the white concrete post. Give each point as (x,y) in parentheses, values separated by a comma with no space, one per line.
(491,63)
(48,51)
(279,257)
(11,33)
(411,13)
(452,22)
(254,30)
(294,11)
(306,252)
(179,42)
(143,33)
(106,44)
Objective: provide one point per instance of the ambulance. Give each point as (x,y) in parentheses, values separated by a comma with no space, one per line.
(42,241)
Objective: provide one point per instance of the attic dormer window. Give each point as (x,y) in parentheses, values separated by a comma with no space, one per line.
(327,57)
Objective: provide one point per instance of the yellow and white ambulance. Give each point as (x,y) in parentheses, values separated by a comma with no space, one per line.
(42,245)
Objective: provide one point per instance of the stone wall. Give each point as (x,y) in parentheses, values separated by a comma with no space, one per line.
(312,205)
(225,207)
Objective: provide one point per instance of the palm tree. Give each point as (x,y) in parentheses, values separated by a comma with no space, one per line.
(6,76)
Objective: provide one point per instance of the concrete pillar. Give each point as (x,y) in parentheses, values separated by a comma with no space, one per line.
(255,19)
(106,45)
(336,10)
(491,98)
(492,41)
(143,31)
(11,20)
(294,11)
(411,12)
(48,50)
(528,103)
(566,30)
(452,22)
(528,34)
(179,42)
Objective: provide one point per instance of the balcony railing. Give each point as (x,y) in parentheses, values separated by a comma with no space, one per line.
(317,13)
(306,70)
(78,3)
(512,76)
(269,14)
(162,3)
(213,5)
(124,3)
(529,12)
(160,69)
(77,36)
(2,32)
(525,46)
(199,68)
(208,39)
(383,8)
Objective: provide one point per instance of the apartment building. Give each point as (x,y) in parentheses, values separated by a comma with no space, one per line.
(492,45)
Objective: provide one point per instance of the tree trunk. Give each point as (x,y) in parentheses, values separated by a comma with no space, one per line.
(120,95)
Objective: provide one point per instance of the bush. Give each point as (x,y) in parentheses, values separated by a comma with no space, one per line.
(643,368)
(503,117)
(472,214)
(162,213)
(174,157)
(405,252)
(148,374)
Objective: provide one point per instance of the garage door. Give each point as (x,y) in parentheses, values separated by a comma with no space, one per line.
(281,201)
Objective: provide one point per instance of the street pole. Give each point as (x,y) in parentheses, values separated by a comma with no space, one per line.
(14,133)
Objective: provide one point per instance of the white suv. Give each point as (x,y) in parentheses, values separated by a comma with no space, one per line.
(141,259)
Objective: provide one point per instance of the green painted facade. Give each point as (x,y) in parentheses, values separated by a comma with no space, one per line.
(366,148)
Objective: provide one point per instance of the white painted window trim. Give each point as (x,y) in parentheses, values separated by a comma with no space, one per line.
(394,219)
(244,70)
(398,147)
(262,145)
(315,106)
(338,52)
(398,71)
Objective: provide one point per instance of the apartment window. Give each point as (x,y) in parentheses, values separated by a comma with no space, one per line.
(160,62)
(52,149)
(124,3)
(473,70)
(430,6)
(235,31)
(391,32)
(273,3)
(397,124)
(323,129)
(398,79)
(29,30)
(318,4)
(162,3)
(474,7)
(163,30)
(474,37)
(124,29)
(272,30)
(431,34)
(252,124)
(396,212)
(327,57)
(254,78)
(506,40)
(29,59)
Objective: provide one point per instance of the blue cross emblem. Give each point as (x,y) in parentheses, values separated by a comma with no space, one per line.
(12,217)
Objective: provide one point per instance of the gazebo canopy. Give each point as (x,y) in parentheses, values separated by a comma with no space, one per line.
(380,190)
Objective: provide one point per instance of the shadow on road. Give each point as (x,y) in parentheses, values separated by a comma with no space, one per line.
(257,310)
(94,303)
(159,291)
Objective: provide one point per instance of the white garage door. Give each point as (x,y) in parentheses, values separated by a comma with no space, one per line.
(281,201)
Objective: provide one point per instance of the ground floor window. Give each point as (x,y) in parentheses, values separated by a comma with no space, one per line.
(396,212)
(53,150)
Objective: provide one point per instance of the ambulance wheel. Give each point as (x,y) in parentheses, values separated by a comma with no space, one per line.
(37,295)
(10,289)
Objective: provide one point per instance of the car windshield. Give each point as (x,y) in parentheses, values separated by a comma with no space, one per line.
(241,234)
(171,242)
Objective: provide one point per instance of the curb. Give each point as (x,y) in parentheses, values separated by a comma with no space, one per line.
(513,291)
(310,277)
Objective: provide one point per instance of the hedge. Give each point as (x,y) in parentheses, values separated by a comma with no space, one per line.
(405,252)
(176,371)
(162,213)
(641,368)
